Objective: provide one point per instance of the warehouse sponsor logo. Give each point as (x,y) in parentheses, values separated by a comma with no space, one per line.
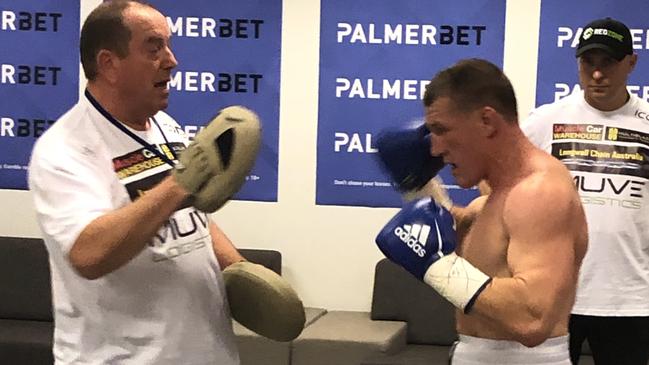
(577,131)
(143,160)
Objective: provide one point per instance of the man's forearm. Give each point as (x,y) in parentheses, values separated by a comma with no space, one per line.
(113,239)
(519,309)
(224,250)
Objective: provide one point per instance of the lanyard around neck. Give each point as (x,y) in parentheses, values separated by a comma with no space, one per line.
(129,133)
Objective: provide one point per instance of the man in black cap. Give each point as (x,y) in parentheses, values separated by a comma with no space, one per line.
(602,135)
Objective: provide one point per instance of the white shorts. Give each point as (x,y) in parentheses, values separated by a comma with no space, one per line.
(481,351)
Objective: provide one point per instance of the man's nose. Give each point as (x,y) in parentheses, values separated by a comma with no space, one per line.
(597,74)
(170,61)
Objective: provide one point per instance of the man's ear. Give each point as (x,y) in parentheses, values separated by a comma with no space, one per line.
(108,65)
(633,61)
(489,119)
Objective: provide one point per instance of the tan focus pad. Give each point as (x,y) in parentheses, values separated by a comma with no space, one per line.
(231,142)
(192,169)
(263,301)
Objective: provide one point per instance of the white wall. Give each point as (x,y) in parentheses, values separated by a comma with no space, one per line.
(328,252)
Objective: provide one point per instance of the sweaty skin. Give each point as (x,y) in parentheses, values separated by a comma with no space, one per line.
(531,235)
(487,243)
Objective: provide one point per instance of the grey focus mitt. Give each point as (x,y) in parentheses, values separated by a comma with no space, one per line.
(215,165)
(263,301)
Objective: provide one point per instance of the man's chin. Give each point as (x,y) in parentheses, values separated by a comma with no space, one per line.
(599,95)
(462,182)
(465,183)
(598,100)
(162,105)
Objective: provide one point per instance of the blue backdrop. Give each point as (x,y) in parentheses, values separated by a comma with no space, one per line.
(39,77)
(228,53)
(375,59)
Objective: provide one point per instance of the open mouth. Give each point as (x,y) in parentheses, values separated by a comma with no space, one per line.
(161,84)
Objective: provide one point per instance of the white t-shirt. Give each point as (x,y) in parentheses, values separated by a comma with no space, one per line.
(167,305)
(607,154)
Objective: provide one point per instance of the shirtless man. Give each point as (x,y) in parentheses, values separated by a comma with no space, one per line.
(513,278)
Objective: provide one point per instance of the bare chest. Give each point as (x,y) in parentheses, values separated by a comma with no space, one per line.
(487,241)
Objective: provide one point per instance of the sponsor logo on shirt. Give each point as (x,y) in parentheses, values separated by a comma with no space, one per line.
(184,232)
(589,132)
(626,135)
(143,160)
(644,116)
(611,191)
(603,158)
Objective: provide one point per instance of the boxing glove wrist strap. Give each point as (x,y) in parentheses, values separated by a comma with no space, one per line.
(457,280)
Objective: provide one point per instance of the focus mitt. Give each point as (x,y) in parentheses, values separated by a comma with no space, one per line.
(263,301)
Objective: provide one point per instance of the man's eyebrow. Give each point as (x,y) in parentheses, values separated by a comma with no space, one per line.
(154,39)
(157,39)
(434,125)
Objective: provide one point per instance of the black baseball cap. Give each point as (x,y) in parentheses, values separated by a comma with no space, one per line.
(607,34)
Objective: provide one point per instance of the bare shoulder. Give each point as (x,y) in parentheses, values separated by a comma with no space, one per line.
(545,207)
(546,194)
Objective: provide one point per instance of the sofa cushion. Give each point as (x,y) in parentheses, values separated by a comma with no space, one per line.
(311,315)
(24,279)
(257,350)
(26,342)
(399,296)
(346,338)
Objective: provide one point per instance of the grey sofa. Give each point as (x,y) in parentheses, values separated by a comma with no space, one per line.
(26,324)
(409,324)
(258,350)
(398,296)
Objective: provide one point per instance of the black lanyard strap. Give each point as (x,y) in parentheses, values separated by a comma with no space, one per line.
(134,136)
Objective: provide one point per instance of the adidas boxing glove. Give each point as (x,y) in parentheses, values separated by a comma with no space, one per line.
(421,239)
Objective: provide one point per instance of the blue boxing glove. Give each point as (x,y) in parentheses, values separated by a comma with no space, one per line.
(405,154)
(422,240)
